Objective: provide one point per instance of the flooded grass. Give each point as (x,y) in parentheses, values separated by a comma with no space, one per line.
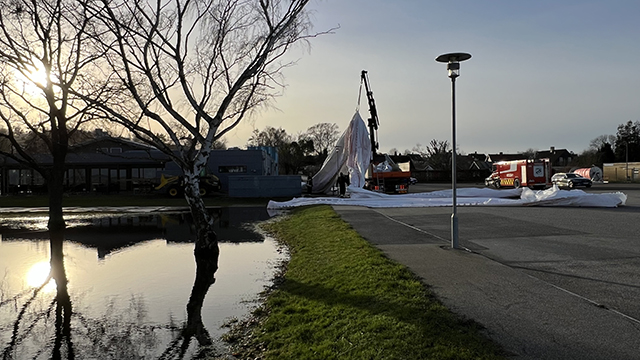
(341,298)
(120,286)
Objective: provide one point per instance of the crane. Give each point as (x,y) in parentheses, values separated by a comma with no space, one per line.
(394,181)
(373,120)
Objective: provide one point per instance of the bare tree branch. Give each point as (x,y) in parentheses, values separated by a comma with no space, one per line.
(192,69)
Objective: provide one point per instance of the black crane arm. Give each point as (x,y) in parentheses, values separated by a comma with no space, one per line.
(373,120)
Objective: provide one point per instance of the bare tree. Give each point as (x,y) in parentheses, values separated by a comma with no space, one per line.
(270,136)
(530,153)
(437,151)
(294,152)
(597,143)
(42,55)
(323,135)
(194,70)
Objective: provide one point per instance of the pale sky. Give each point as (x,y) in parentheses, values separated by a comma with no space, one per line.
(543,73)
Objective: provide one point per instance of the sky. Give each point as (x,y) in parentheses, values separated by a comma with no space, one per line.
(542,73)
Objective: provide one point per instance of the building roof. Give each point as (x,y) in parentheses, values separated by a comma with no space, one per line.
(90,145)
(504,157)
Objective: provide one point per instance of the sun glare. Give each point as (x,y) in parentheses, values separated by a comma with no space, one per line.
(37,275)
(32,79)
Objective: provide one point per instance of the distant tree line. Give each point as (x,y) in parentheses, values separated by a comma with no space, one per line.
(624,146)
(301,153)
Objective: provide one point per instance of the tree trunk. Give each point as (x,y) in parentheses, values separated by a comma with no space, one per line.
(55,187)
(206,238)
(55,181)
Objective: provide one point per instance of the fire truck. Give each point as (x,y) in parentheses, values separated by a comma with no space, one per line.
(517,173)
(383,174)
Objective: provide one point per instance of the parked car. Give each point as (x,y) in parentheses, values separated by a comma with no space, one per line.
(570,180)
(413,181)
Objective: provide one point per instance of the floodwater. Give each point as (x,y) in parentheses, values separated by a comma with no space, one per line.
(126,286)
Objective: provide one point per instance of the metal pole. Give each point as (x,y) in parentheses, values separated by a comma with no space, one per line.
(454,215)
(627,160)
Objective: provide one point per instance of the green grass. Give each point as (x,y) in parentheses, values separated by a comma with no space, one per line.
(341,298)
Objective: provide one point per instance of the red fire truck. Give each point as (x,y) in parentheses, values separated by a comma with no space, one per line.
(517,173)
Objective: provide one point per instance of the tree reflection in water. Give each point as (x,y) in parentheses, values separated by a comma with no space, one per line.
(51,329)
(31,321)
(62,300)
(206,267)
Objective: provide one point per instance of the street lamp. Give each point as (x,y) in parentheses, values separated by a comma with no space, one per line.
(453,66)
(626,157)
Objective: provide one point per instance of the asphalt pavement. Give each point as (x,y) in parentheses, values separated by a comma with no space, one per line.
(544,282)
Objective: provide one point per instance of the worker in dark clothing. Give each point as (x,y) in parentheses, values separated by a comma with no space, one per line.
(310,185)
(343,182)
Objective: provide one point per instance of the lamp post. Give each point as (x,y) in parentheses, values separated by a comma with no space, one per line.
(453,66)
(626,157)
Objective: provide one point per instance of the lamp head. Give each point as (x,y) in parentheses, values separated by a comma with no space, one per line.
(453,62)
(454,69)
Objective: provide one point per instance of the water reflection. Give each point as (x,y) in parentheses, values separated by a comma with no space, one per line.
(63,309)
(31,320)
(38,275)
(206,267)
(108,233)
(109,307)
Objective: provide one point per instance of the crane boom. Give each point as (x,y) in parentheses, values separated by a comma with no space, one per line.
(373,120)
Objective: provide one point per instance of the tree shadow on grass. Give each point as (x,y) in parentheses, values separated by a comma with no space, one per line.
(424,312)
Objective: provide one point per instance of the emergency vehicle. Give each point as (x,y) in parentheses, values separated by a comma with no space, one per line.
(517,173)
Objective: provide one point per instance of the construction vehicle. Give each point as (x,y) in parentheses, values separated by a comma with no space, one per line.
(530,173)
(386,176)
(383,174)
(173,185)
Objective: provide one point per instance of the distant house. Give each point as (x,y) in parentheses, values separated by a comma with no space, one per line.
(422,170)
(494,158)
(472,167)
(109,164)
(106,164)
(419,163)
(559,158)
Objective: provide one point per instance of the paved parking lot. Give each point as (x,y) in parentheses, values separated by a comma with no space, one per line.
(546,282)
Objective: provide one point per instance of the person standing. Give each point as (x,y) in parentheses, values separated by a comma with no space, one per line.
(343,182)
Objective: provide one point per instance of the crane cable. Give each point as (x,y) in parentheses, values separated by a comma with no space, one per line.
(359,95)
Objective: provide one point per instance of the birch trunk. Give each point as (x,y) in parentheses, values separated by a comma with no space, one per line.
(206,238)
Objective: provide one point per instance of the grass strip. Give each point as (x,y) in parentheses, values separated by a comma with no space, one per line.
(341,298)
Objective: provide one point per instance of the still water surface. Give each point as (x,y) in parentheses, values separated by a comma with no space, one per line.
(129,280)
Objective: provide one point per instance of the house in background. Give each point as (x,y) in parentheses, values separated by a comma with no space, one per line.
(558,158)
(105,165)
(494,158)
(109,165)
(472,167)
